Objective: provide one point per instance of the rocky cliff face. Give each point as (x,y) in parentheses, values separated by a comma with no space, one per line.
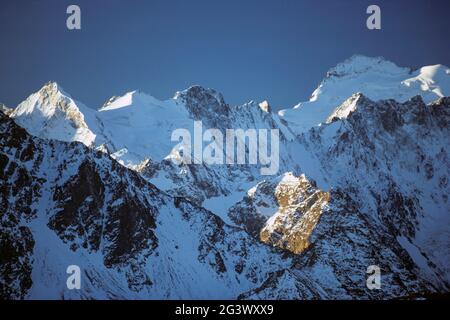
(282,212)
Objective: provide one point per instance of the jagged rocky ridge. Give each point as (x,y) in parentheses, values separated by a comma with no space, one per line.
(369,186)
(282,212)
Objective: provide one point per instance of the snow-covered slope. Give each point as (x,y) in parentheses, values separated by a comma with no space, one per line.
(138,126)
(376,78)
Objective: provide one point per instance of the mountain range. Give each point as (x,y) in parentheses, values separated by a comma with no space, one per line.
(363,180)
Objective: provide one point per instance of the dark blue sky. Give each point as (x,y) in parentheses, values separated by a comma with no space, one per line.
(247,49)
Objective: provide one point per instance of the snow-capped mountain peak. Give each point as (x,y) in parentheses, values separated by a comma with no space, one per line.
(46,100)
(203,103)
(135,98)
(265,106)
(358,64)
(198,92)
(346,107)
(433,79)
(376,78)
(54,114)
